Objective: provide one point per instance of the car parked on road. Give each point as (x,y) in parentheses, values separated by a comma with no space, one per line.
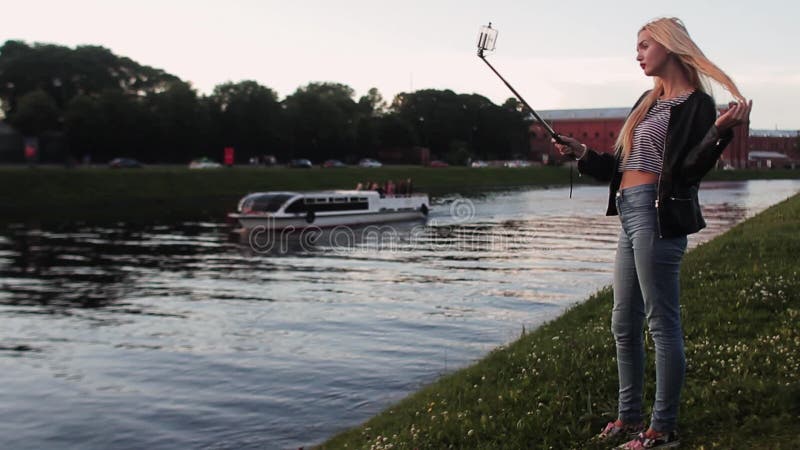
(333,163)
(124,163)
(369,162)
(437,163)
(516,163)
(204,163)
(301,163)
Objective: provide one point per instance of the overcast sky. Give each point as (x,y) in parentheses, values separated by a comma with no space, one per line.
(567,54)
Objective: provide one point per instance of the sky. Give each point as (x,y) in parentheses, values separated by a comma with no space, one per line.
(567,54)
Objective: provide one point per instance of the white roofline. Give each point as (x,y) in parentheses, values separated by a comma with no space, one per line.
(766,154)
(774,133)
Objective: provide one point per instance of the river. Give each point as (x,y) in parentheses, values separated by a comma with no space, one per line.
(173,336)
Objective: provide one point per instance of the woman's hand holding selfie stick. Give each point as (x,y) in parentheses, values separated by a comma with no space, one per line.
(570,147)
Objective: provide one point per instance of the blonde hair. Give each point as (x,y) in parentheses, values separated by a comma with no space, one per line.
(671,33)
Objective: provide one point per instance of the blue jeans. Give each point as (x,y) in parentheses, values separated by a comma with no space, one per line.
(646,285)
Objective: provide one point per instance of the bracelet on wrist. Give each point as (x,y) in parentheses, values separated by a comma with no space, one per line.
(583,153)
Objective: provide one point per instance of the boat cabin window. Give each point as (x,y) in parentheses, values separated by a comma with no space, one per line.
(299,206)
(302,205)
(263,202)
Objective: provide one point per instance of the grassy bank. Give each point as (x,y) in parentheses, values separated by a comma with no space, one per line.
(166,194)
(176,193)
(556,387)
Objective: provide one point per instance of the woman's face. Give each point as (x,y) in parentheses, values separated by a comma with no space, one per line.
(651,55)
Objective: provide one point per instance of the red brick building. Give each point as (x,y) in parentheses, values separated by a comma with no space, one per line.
(781,141)
(598,128)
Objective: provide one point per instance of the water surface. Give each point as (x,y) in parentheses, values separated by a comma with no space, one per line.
(175,337)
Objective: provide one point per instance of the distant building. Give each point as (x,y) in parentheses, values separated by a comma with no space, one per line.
(598,128)
(769,160)
(786,142)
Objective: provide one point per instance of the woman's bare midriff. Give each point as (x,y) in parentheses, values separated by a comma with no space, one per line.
(631,178)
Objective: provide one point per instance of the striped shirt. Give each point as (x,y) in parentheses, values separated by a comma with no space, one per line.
(650,135)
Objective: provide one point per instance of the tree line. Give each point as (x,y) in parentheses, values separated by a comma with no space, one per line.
(100,104)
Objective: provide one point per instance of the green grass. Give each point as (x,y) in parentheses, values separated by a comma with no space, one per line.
(166,194)
(556,387)
(755,174)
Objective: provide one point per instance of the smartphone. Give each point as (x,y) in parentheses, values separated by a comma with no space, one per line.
(487,38)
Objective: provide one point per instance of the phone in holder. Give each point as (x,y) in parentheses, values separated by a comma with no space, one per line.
(487,38)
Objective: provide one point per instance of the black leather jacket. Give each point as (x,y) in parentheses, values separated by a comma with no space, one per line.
(691,150)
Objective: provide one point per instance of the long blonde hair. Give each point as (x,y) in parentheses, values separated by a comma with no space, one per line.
(671,33)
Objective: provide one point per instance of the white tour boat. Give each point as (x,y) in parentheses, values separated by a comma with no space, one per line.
(278,210)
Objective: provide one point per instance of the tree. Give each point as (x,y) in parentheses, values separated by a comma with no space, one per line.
(323,119)
(454,125)
(373,103)
(65,73)
(434,115)
(249,118)
(35,114)
(500,132)
(512,104)
(110,105)
(183,124)
(97,97)
(82,121)
(110,125)
(394,132)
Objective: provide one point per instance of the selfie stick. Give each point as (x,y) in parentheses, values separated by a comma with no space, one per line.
(486,41)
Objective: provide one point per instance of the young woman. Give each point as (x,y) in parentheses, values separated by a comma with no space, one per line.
(670,140)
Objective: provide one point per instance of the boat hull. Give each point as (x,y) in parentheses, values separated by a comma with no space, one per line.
(301,221)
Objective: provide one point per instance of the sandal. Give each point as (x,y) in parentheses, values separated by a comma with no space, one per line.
(652,439)
(618,429)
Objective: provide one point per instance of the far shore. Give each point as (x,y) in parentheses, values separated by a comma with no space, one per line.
(165,194)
